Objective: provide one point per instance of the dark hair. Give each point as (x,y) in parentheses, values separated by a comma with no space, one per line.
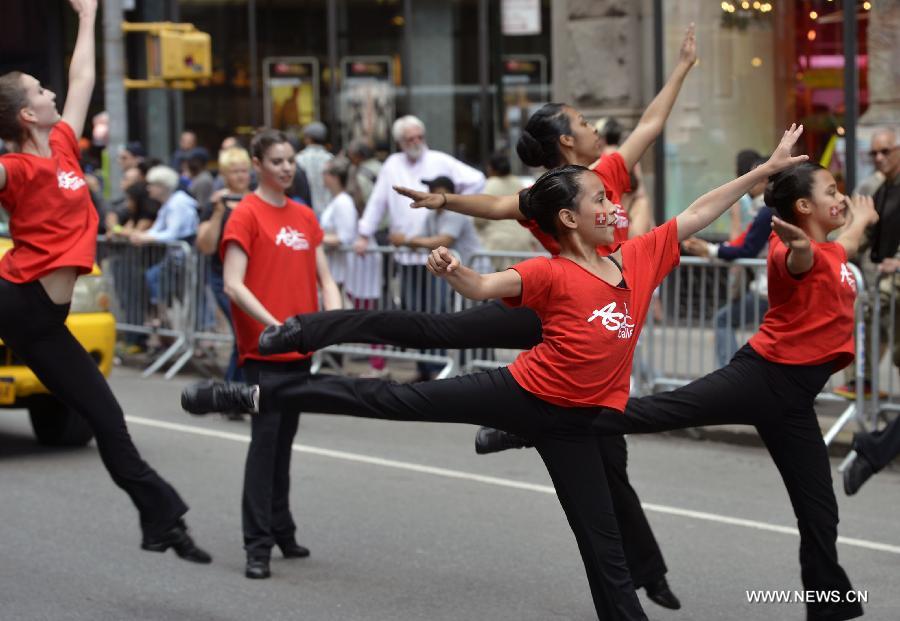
(339,167)
(555,190)
(265,138)
(612,132)
(745,161)
(12,99)
(539,143)
(788,186)
(499,163)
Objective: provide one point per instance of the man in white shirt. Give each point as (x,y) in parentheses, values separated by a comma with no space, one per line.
(312,160)
(407,168)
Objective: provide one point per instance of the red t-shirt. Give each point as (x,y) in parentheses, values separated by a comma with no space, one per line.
(612,172)
(590,327)
(52,221)
(280,243)
(810,317)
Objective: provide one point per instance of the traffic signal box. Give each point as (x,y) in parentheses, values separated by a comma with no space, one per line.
(178,55)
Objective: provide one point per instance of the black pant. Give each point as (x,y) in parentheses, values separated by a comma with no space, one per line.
(778,400)
(34,327)
(265,505)
(879,447)
(563,436)
(492,325)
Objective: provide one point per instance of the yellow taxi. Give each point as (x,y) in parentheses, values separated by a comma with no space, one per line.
(95,328)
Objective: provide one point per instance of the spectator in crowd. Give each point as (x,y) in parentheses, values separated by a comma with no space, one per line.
(234,170)
(748,306)
(130,155)
(201,180)
(312,160)
(186,143)
(884,240)
(364,169)
(136,211)
(358,276)
(441,227)
(408,168)
(503,235)
(176,221)
(744,211)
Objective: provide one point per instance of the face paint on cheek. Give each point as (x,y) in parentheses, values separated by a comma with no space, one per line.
(600,220)
(835,212)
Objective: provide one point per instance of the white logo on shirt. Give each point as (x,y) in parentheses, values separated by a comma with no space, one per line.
(847,276)
(621,218)
(295,240)
(69,180)
(614,321)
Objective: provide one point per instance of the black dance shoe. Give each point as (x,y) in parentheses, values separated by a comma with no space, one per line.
(490,440)
(178,539)
(210,396)
(856,474)
(281,339)
(257,568)
(292,549)
(660,594)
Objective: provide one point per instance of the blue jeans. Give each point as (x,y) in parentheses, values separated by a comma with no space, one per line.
(736,314)
(217,284)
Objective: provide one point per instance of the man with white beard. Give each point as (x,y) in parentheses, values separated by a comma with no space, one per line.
(408,168)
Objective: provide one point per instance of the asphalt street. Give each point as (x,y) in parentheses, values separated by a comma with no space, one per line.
(404,522)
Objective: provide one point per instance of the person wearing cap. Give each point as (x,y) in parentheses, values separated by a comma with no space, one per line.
(312,160)
(201,181)
(130,155)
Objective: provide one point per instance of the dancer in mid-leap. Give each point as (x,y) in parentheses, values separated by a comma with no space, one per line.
(592,308)
(54,231)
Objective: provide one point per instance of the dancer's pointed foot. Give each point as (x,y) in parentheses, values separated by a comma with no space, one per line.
(281,339)
(210,396)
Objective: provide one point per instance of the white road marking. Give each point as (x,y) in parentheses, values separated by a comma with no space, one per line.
(509,483)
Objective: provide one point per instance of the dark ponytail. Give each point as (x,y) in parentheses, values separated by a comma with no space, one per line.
(13,98)
(555,190)
(539,143)
(788,186)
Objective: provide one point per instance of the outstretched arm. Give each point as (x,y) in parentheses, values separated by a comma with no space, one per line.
(476,205)
(82,69)
(713,204)
(861,210)
(654,118)
(471,284)
(800,253)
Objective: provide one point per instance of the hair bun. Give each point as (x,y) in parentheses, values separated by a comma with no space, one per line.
(529,150)
(524,205)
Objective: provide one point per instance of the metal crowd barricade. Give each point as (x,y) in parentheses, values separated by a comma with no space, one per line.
(883,339)
(387,278)
(471,360)
(152,294)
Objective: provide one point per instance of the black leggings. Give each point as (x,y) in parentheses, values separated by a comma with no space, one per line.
(778,400)
(34,327)
(492,325)
(564,438)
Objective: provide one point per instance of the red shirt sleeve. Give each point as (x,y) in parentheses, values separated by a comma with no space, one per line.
(63,139)
(660,249)
(241,229)
(546,240)
(537,282)
(612,172)
(18,172)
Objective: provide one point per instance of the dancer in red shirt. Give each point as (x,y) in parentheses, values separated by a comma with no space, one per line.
(599,300)
(53,225)
(269,234)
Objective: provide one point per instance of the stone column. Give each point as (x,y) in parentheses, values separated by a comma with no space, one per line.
(884,70)
(432,71)
(598,57)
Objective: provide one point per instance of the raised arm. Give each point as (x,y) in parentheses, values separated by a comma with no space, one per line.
(654,118)
(863,215)
(470,283)
(703,211)
(475,205)
(82,69)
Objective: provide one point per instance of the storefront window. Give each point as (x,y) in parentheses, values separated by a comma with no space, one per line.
(762,66)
